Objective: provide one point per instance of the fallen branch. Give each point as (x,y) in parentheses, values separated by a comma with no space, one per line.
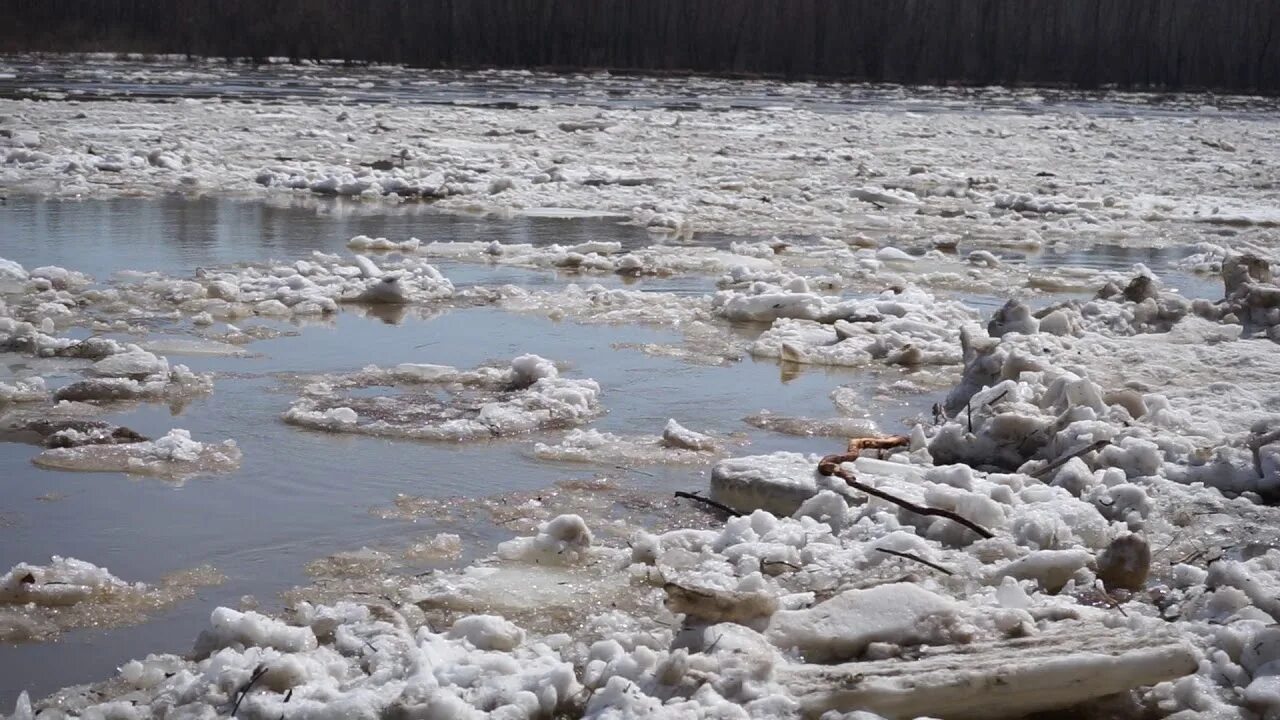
(1112,602)
(916,558)
(969,407)
(831,466)
(709,502)
(1096,445)
(244,691)
(631,469)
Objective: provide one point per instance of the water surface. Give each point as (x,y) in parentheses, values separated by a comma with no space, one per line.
(302,495)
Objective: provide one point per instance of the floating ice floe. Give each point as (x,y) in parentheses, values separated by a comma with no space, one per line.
(676,444)
(477,404)
(841,427)
(598,304)
(23,390)
(120,371)
(39,602)
(56,428)
(175,455)
(317,286)
(176,383)
(601,257)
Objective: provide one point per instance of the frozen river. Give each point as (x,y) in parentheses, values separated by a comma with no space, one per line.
(778,267)
(300,496)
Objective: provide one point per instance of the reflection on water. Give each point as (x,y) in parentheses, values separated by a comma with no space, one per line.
(176,234)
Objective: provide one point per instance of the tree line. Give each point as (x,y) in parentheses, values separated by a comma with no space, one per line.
(1226,45)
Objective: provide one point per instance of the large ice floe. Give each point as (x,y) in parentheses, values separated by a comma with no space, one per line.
(440,402)
(39,602)
(992,176)
(310,287)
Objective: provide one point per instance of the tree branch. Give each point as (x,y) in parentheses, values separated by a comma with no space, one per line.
(916,558)
(831,466)
(709,502)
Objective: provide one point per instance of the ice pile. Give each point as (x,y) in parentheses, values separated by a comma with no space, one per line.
(345,660)
(38,602)
(175,456)
(440,402)
(1253,296)
(767,598)
(907,327)
(1188,404)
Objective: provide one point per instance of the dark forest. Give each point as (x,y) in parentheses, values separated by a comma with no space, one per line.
(1226,45)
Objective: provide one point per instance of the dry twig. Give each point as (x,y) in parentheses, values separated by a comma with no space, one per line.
(831,466)
(916,558)
(1096,445)
(244,691)
(709,502)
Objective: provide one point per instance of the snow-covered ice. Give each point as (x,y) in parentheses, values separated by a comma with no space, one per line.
(39,602)
(1025,179)
(175,455)
(676,444)
(486,402)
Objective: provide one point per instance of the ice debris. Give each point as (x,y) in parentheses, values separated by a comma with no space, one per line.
(347,659)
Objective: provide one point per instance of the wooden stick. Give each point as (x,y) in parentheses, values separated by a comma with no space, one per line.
(708,501)
(831,466)
(922,561)
(244,691)
(1096,445)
